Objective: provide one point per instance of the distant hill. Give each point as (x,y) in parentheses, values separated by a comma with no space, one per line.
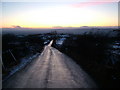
(71,30)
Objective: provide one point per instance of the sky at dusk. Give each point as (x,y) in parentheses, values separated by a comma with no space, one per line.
(67,13)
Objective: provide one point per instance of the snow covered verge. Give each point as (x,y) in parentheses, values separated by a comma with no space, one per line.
(24,61)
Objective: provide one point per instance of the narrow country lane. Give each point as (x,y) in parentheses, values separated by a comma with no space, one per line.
(52,69)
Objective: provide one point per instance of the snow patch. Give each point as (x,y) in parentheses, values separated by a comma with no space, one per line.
(60,41)
(22,64)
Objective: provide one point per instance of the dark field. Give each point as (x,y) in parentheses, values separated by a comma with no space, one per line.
(98,54)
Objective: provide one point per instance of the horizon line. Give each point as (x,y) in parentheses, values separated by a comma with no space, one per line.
(55,27)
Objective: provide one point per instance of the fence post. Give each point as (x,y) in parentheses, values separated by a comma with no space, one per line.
(2,62)
(12,55)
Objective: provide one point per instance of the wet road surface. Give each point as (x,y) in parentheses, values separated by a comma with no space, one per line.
(52,69)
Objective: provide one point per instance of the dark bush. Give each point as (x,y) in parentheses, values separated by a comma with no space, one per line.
(91,51)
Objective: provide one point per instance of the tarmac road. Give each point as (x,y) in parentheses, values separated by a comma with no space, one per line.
(52,69)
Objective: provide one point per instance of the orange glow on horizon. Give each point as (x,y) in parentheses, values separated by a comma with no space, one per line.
(51,27)
(60,16)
